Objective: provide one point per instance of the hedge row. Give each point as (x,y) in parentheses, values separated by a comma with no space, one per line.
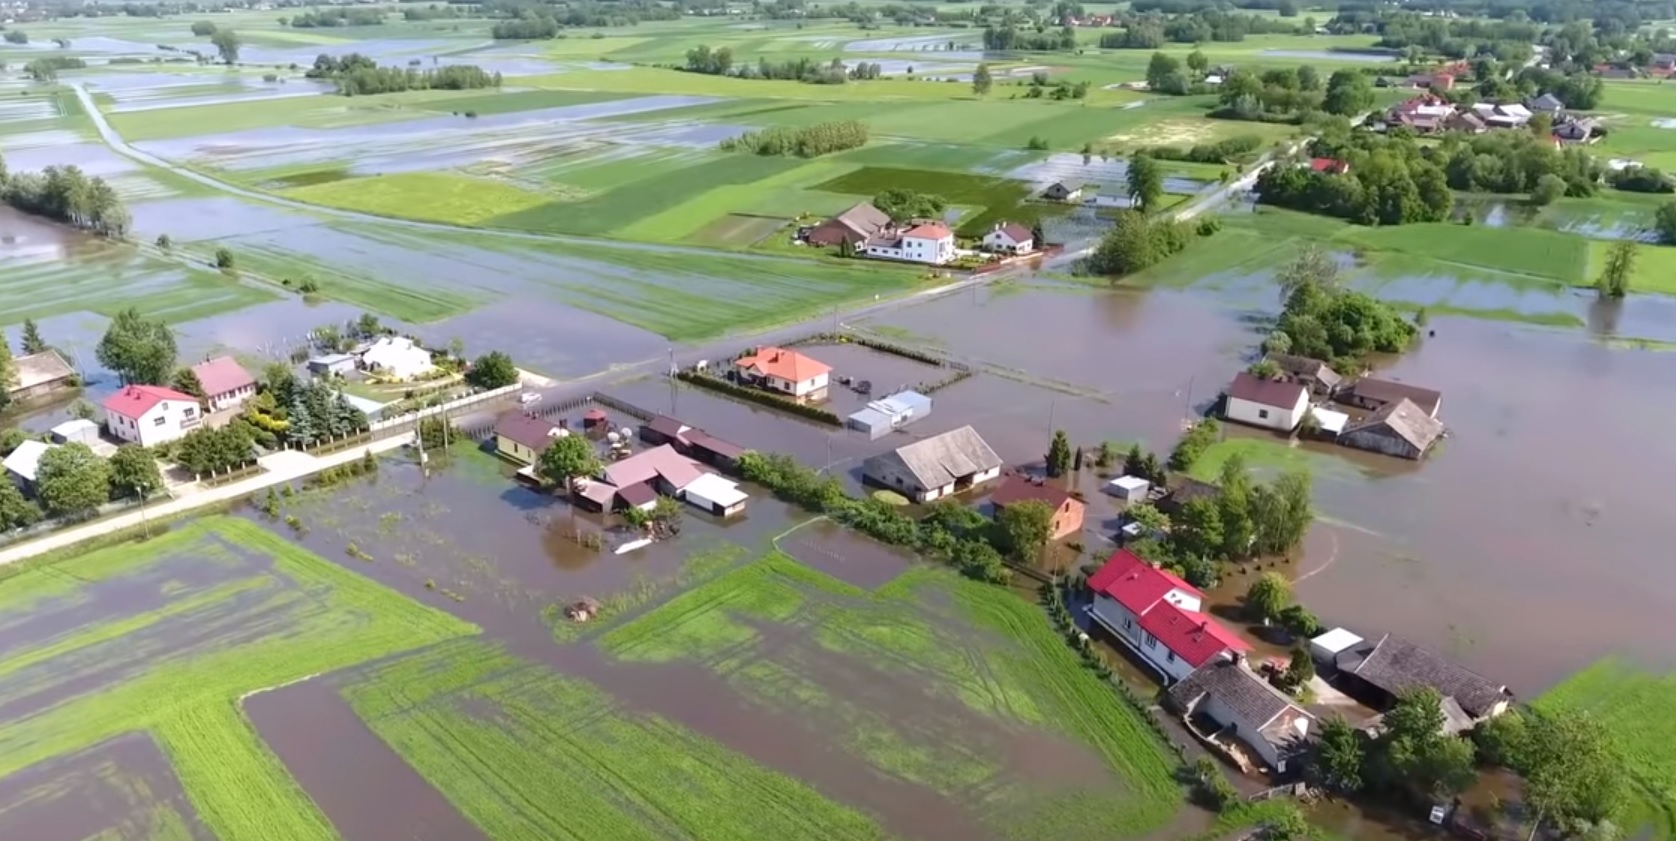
(761,397)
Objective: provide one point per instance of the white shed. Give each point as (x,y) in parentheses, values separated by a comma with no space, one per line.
(1128,488)
(1328,420)
(715,495)
(1326,647)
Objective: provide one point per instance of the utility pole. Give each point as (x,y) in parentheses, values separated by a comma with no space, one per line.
(141,494)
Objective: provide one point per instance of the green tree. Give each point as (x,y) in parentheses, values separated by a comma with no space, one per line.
(1160,68)
(982,81)
(492,370)
(8,371)
(1059,454)
(1146,514)
(1549,188)
(1664,221)
(1198,63)
(134,472)
(1134,462)
(1572,770)
(1194,444)
(203,28)
(1022,529)
(224,259)
(279,380)
(1348,93)
(1416,754)
(32,341)
(1197,529)
(1145,180)
(1268,596)
(16,511)
(906,205)
(72,482)
(1338,766)
(226,45)
(164,242)
(1613,282)
(566,459)
(1287,824)
(10,439)
(1233,504)
(138,349)
(186,382)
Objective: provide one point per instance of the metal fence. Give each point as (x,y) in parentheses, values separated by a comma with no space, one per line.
(379,428)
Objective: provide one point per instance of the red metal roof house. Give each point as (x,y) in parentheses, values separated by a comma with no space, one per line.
(1158,615)
(1331,166)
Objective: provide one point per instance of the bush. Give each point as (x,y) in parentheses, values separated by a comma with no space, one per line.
(1209,153)
(1194,444)
(761,397)
(807,142)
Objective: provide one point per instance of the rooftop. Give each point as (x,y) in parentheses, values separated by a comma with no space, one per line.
(40,368)
(1390,391)
(25,461)
(1193,636)
(644,466)
(1014,231)
(717,490)
(222,375)
(1280,394)
(864,219)
(784,363)
(1243,692)
(942,459)
(929,230)
(135,400)
(1020,488)
(527,430)
(1407,421)
(1136,584)
(1396,666)
(1303,366)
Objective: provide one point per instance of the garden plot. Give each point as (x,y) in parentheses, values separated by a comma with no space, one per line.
(121,788)
(168,636)
(934,681)
(527,754)
(438,142)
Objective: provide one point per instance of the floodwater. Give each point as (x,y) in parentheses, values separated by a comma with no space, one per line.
(1333,55)
(1109,175)
(115,789)
(364,788)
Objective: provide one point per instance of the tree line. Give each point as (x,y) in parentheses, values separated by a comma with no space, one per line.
(1389,183)
(1008,37)
(66,194)
(804,142)
(720,62)
(46,69)
(334,17)
(1322,319)
(364,81)
(1151,31)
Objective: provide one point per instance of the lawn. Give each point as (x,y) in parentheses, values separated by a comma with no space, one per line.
(430,196)
(1635,708)
(919,679)
(1266,455)
(208,613)
(526,754)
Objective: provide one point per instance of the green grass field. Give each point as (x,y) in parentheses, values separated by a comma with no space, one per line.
(428,196)
(527,754)
(1634,707)
(219,608)
(975,649)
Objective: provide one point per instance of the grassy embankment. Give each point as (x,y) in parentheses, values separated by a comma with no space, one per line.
(268,614)
(977,649)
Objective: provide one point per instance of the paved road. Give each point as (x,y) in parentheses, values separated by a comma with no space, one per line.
(279,468)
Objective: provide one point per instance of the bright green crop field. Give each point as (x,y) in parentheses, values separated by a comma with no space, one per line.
(1634,705)
(922,679)
(207,614)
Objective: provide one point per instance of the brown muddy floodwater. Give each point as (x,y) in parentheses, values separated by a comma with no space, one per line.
(366,790)
(114,789)
(1545,501)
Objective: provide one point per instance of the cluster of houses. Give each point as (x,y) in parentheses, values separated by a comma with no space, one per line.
(1393,418)
(869,232)
(1224,698)
(1429,113)
(149,415)
(678,464)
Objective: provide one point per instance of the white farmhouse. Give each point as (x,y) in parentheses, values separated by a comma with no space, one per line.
(1271,404)
(928,242)
(1009,238)
(1157,615)
(149,415)
(786,371)
(397,356)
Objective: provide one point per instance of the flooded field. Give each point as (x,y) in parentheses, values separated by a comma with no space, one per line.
(121,788)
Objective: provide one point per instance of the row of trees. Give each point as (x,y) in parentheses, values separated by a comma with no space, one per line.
(531,27)
(1151,31)
(1039,39)
(1389,183)
(329,18)
(72,482)
(46,69)
(68,195)
(804,142)
(363,81)
(1137,241)
(720,62)
(1513,162)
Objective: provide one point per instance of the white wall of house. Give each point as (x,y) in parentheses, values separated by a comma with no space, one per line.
(800,388)
(1269,417)
(917,250)
(1127,627)
(1245,731)
(232,399)
(167,421)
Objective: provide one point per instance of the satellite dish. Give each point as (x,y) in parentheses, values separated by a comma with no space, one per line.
(613,436)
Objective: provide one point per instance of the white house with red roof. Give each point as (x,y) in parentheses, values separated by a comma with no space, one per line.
(1158,615)
(1009,238)
(226,383)
(924,242)
(149,414)
(786,371)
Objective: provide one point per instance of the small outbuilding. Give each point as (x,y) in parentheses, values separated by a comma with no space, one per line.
(1067,510)
(882,416)
(1066,190)
(25,462)
(522,438)
(1400,429)
(332,363)
(40,374)
(715,495)
(78,431)
(1313,374)
(1128,488)
(1326,647)
(1328,422)
(935,467)
(1373,393)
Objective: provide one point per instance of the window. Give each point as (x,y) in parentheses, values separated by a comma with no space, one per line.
(1127,624)
(1263,413)
(1151,641)
(188,413)
(159,421)
(1170,657)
